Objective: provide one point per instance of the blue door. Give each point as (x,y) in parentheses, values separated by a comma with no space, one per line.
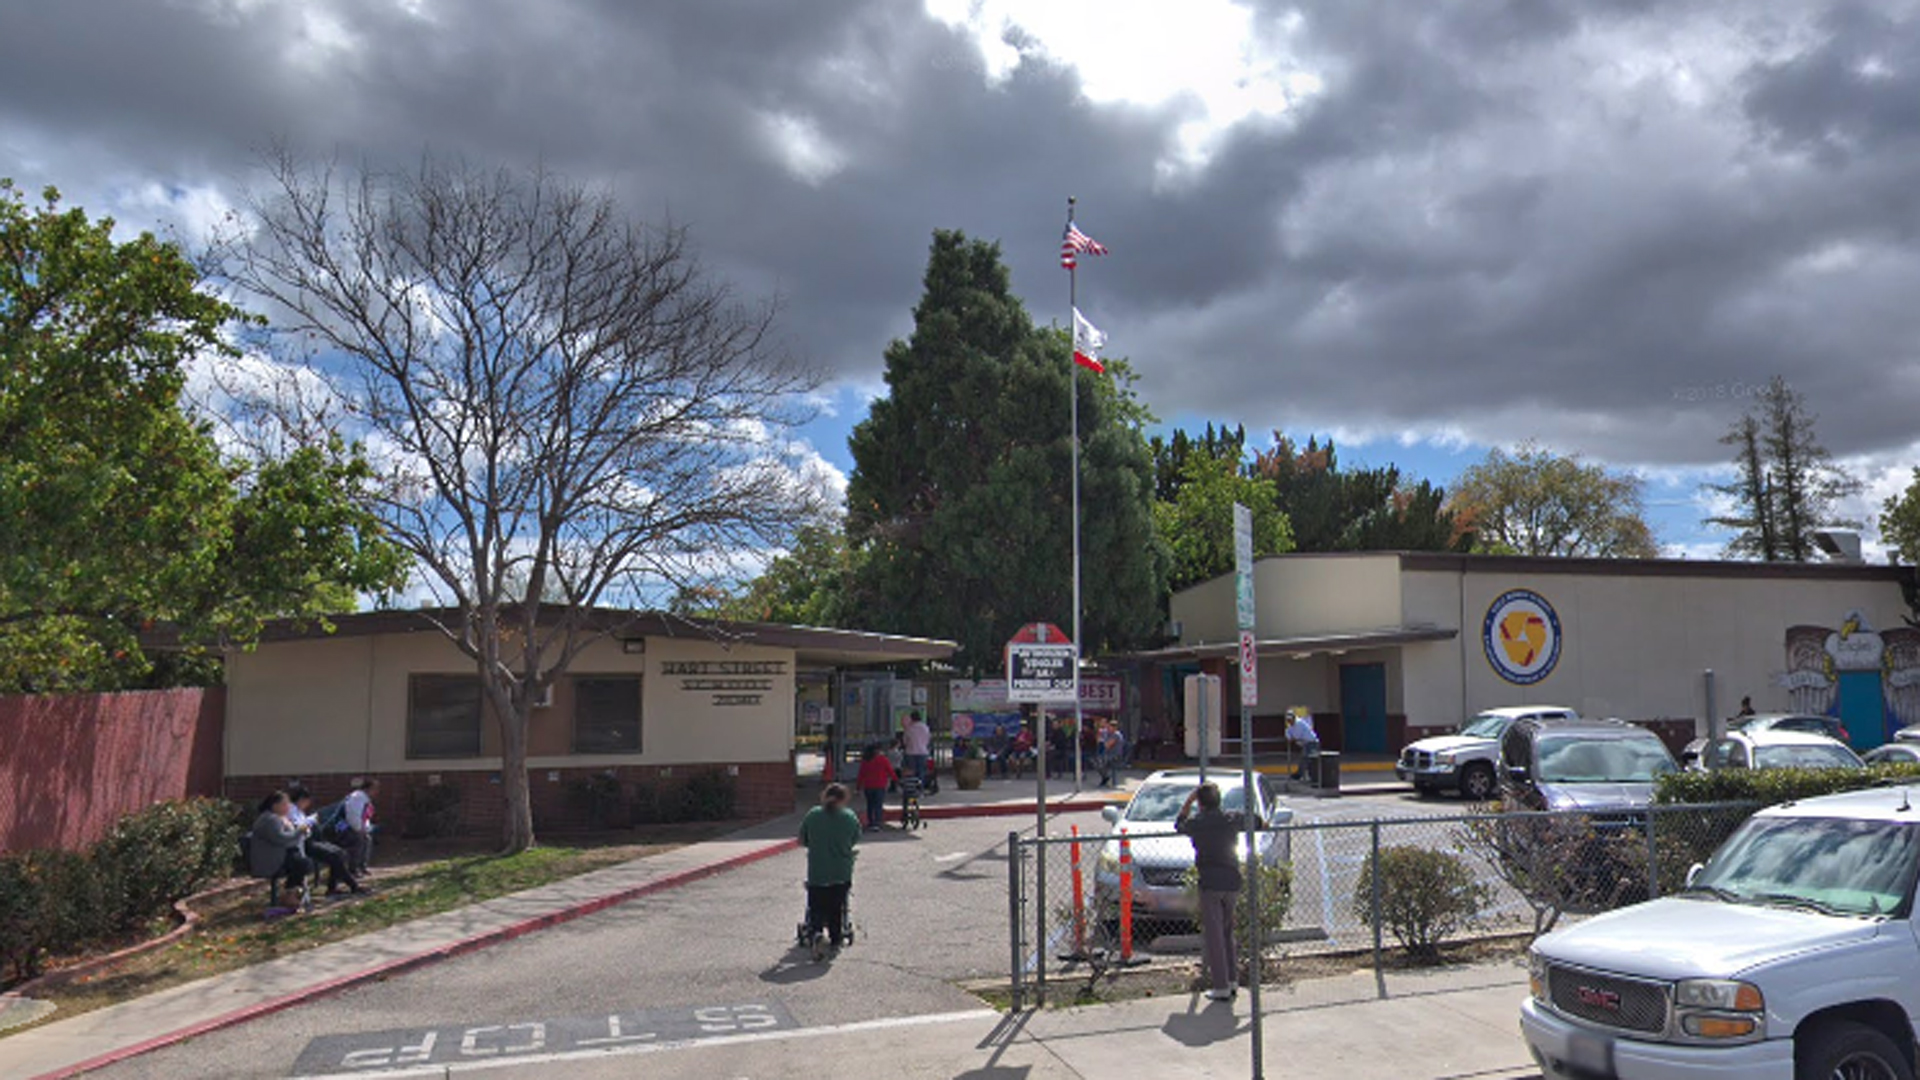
(1363,708)
(1862,708)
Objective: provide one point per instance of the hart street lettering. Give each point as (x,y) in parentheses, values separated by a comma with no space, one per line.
(731,682)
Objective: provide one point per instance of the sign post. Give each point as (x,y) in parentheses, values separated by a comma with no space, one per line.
(1249,655)
(1043,668)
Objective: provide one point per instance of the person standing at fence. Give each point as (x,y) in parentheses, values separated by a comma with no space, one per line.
(830,834)
(876,776)
(358,811)
(1301,734)
(1215,835)
(916,746)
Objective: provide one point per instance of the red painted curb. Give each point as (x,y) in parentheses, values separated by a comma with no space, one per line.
(418,960)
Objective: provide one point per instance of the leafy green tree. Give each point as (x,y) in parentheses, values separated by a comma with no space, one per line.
(1170,454)
(1197,526)
(1535,502)
(806,586)
(121,510)
(1376,509)
(1900,523)
(959,507)
(1787,486)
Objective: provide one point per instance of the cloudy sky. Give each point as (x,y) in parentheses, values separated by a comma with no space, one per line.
(1430,227)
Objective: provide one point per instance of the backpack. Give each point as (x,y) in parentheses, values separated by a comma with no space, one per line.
(332,818)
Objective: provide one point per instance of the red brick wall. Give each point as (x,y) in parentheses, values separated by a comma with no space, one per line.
(73,764)
(763,789)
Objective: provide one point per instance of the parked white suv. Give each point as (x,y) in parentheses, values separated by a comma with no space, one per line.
(1791,955)
(1467,761)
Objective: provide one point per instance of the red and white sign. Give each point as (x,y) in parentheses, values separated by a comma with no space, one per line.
(1249,670)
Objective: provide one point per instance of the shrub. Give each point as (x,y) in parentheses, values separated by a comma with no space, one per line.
(50,902)
(1767,787)
(161,854)
(711,795)
(599,799)
(433,810)
(1426,896)
(1560,864)
(659,802)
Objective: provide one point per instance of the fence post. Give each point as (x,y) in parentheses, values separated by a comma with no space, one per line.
(1016,874)
(1653,854)
(1373,879)
(1079,902)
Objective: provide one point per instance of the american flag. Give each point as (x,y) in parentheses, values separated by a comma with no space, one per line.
(1075,243)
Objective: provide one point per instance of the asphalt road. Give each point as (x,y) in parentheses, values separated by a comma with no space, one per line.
(711,958)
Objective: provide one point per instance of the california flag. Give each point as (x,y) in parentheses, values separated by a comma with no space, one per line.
(1087,340)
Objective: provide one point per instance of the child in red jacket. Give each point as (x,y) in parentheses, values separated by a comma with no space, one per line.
(876,773)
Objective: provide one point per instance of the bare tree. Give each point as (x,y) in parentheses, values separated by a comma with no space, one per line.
(565,406)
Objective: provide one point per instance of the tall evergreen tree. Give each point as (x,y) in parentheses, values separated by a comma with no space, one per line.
(959,500)
(1787,486)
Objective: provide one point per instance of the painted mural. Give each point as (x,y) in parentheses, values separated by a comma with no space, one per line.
(1868,678)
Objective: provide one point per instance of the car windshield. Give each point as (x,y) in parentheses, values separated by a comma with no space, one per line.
(1813,756)
(1161,802)
(1840,865)
(1812,725)
(1578,759)
(1485,726)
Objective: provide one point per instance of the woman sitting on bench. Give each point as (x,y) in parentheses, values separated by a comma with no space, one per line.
(275,848)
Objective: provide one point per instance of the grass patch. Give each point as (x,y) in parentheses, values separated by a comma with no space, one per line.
(234,934)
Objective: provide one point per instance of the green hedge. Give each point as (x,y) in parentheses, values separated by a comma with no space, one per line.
(59,903)
(1767,787)
(707,795)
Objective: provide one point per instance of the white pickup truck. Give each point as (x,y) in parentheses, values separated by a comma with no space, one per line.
(1793,954)
(1468,760)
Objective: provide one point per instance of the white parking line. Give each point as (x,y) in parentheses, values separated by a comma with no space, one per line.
(453,1068)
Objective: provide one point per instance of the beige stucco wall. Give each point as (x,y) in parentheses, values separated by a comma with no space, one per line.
(1632,646)
(340,705)
(1296,595)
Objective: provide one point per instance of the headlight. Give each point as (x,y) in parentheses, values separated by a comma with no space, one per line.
(1720,1009)
(1109,861)
(1443,759)
(1725,994)
(1537,975)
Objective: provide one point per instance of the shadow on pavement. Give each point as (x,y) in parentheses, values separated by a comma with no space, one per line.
(796,967)
(1203,1027)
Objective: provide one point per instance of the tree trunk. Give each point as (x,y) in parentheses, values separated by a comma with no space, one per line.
(517,829)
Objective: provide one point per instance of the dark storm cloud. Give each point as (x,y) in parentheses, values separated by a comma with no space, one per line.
(1552,218)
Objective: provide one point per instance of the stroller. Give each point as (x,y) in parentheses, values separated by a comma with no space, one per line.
(804,939)
(910,818)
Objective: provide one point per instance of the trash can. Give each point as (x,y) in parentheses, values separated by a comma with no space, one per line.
(1326,770)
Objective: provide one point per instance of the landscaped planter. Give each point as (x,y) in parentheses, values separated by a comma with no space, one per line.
(969,772)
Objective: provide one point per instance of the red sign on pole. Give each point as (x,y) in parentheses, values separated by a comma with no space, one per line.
(1040,633)
(1249,670)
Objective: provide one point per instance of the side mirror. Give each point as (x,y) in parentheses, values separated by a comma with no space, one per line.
(1111,814)
(1694,872)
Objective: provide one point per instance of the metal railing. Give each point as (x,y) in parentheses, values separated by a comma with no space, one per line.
(1393,890)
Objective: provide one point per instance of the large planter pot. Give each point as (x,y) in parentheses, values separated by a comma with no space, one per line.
(969,772)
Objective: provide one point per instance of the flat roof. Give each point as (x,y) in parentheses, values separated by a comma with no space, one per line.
(812,644)
(1452,562)
(1383,637)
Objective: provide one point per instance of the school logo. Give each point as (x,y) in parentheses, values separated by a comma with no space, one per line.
(1522,636)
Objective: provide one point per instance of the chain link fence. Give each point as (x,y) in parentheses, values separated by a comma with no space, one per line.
(1401,887)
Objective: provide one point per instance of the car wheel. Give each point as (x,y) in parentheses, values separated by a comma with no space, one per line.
(1476,782)
(1848,1051)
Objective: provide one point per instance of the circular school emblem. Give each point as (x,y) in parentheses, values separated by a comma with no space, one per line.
(1522,636)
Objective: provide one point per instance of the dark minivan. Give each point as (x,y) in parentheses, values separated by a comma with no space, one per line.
(1593,765)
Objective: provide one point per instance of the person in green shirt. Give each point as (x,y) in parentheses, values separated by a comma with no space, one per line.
(829,833)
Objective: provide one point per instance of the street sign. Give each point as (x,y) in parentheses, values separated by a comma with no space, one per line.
(1249,671)
(1243,565)
(1041,663)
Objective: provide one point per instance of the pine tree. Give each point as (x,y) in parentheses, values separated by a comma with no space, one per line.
(959,503)
(1752,496)
(1787,486)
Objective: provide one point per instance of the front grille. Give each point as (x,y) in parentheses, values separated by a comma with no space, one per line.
(1609,1000)
(1417,759)
(1616,821)
(1162,876)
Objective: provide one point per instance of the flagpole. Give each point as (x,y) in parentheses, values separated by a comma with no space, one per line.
(1073,392)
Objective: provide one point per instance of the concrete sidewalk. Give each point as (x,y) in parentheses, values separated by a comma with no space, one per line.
(67,1047)
(1448,1024)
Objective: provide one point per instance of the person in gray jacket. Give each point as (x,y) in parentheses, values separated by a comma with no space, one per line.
(275,851)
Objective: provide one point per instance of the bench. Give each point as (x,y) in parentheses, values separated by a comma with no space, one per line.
(273,881)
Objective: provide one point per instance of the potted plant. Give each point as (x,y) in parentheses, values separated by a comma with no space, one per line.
(969,766)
